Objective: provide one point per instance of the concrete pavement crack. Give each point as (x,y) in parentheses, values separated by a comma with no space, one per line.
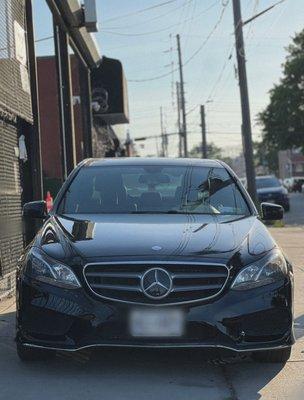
(229,383)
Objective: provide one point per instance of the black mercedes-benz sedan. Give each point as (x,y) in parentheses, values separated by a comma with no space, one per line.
(154,253)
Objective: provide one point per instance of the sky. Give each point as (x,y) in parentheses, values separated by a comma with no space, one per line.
(144,40)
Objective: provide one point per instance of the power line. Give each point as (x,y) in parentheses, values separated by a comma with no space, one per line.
(143,10)
(183,17)
(154,78)
(36,41)
(190,25)
(139,33)
(218,80)
(216,132)
(193,109)
(262,12)
(268,29)
(146,21)
(109,31)
(225,4)
(188,16)
(221,74)
(254,11)
(44,39)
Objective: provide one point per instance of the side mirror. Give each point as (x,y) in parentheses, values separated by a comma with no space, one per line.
(272,212)
(35,209)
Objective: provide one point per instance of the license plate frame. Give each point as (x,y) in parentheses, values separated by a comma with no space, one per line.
(156,323)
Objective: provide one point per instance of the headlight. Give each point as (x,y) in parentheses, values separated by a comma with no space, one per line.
(45,269)
(269,269)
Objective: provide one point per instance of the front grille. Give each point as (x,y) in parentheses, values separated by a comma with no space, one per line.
(122,281)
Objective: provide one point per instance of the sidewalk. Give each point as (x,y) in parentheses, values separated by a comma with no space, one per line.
(7,324)
(291,239)
(7,305)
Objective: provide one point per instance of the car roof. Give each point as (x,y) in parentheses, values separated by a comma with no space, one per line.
(128,161)
(266,176)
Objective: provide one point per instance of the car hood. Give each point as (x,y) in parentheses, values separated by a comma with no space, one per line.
(160,235)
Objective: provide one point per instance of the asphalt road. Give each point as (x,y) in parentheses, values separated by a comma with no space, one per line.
(162,375)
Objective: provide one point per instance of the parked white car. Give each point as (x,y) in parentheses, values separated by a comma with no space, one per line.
(294,184)
(288,183)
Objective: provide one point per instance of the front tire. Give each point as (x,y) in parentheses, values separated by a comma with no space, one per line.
(27,354)
(272,356)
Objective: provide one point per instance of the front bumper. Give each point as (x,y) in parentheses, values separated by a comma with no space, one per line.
(242,321)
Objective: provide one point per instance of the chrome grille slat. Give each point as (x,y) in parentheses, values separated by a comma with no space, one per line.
(191,288)
(116,287)
(113,274)
(121,281)
(197,275)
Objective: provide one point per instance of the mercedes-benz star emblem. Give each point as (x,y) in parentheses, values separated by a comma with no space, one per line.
(156,283)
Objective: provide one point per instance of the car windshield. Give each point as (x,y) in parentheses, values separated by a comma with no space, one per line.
(153,189)
(262,183)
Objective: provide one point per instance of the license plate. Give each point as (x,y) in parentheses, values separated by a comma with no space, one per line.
(156,323)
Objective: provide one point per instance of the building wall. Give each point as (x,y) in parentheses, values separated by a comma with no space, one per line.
(291,163)
(49,117)
(11,240)
(15,107)
(103,137)
(50,121)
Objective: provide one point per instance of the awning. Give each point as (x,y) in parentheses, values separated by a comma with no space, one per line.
(69,14)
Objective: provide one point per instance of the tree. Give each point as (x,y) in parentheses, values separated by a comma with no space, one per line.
(213,152)
(283,119)
(266,156)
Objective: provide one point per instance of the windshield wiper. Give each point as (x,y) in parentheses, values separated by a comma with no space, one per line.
(159,212)
(172,212)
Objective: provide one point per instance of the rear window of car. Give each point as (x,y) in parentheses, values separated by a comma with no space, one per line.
(153,189)
(263,183)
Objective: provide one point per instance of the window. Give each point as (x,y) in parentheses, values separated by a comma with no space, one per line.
(263,183)
(153,189)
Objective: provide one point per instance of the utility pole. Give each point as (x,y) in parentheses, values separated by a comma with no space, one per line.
(163,139)
(128,144)
(203,126)
(180,138)
(182,97)
(156,144)
(246,126)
